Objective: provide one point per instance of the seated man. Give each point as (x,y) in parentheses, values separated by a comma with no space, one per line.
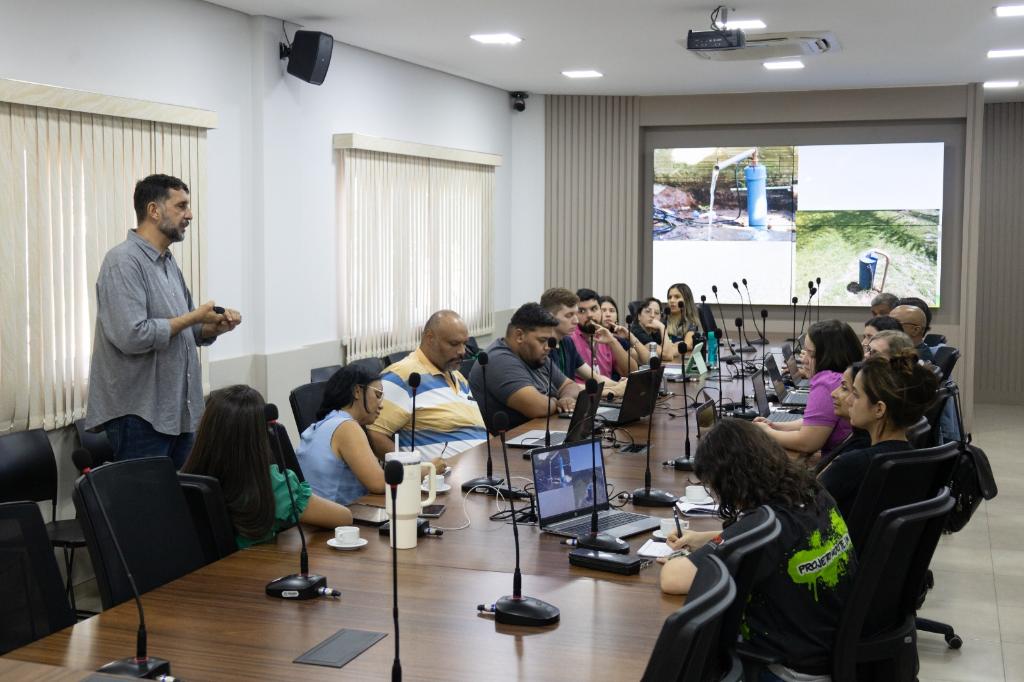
(611,355)
(448,421)
(914,324)
(518,382)
(883,304)
(561,303)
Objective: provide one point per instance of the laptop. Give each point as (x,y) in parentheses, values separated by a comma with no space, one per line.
(707,416)
(785,396)
(792,367)
(637,401)
(563,481)
(579,427)
(761,401)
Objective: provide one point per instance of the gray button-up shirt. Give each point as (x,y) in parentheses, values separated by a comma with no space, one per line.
(137,366)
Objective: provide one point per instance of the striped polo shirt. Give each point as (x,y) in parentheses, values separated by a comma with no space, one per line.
(447,420)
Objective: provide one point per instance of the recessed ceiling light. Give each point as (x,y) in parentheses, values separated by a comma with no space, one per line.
(1010,11)
(496,38)
(996,85)
(1002,54)
(788,64)
(745,24)
(589,73)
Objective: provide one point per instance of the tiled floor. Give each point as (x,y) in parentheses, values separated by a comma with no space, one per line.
(979,572)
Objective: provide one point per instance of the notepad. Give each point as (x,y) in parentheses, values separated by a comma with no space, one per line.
(654,550)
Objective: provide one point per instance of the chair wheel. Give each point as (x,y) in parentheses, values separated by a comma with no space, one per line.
(954,641)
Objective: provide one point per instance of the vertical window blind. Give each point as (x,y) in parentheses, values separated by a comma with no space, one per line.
(416,237)
(66,184)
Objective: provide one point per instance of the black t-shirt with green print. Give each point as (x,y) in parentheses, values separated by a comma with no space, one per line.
(801,586)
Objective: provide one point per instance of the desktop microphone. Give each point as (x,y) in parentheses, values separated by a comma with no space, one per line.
(764,336)
(742,410)
(729,359)
(629,351)
(414,384)
(515,609)
(817,283)
(141,665)
(552,344)
(394,473)
(805,318)
(741,337)
(595,539)
(645,497)
(487,484)
(684,463)
(301,585)
(794,302)
(763,332)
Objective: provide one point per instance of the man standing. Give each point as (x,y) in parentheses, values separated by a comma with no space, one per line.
(145,383)
(520,381)
(447,420)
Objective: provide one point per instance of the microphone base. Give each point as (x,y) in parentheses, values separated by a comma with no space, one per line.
(653,498)
(482,484)
(749,415)
(683,463)
(297,586)
(525,611)
(603,542)
(746,349)
(147,668)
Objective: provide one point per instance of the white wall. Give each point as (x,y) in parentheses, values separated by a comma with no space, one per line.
(524,267)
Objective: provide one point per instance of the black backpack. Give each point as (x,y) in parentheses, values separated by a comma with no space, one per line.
(972,480)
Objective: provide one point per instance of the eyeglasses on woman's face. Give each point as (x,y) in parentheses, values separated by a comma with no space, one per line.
(374,390)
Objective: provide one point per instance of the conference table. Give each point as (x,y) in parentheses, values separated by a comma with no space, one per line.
(217,623)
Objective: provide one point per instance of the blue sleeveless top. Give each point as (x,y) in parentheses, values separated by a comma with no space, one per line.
(327,473)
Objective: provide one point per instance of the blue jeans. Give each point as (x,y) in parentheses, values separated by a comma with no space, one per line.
(133,437)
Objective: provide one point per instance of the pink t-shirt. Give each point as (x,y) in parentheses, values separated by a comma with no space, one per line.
(820,412)
(602,353)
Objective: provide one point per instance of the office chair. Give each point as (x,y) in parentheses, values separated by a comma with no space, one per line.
(32,600)
(305,402)
(96,444)
(392,358)
(210,516)
(318,374)
(945,358)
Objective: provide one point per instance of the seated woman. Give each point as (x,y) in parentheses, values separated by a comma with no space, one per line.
(888,343)
(335,452)
(610,319)
(682,321)
(830,347)
(887,397)
(858,438)
(875,325)
(791,616)
(232,446)
(648,328)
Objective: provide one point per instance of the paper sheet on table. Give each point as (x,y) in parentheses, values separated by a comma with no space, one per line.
(654,549)
(690,509)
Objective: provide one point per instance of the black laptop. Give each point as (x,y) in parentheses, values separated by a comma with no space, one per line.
(761,401)
(579,428)
(637,400)
(563,480)
(793,367)
(785,396)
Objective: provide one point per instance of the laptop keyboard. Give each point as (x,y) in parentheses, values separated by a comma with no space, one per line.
(784,416)
(582,526)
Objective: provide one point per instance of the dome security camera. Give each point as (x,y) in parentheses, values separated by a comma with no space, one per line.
(518,100)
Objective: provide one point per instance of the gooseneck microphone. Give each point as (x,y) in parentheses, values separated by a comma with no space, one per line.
(762,333)
(722,357)
(817,285)
(685,463)
(629,351)
(721,396)
(394,474)
(596,539)
(552,344)
(515,609)
(141,665)
(487,484)
(646,497)
(741,339)
(806,317)
(742,410)
(414,384)
(794,302)
(301,585)
(764,337)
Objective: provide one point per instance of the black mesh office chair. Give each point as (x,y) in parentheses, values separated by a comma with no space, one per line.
(96,444)
(934,413)
(875,637)
(945,358)
(28,471)
(934,339)
(472,347)
(32,600)
(467,366)
(392,358)
(634,309)
(919,433)
(318,374)
(281,444)
(209,515)
(690,634)
(152,521)
(305,401)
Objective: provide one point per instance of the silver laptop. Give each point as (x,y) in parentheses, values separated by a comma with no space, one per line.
(580,427)
(786,396)
(563,480)
(793,367)
(761,401)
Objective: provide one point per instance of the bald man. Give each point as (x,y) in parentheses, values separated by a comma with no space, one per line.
(914,324)
(447,420)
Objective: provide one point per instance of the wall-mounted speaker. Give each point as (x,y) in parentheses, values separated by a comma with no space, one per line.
(309,56)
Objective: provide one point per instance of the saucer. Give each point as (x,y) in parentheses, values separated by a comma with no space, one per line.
(658,534)
(706,500)
(440,489)
(333,542)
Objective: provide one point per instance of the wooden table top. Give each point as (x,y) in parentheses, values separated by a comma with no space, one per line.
(217,623)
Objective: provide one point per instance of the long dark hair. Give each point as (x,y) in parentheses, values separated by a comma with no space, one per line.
(745,469)
(688,314)
(905,386)
(341,388)
(836,346)
(232,446)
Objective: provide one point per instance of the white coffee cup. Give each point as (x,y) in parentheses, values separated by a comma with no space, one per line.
(696,494)
(668,526)
(438,481)
(346,535)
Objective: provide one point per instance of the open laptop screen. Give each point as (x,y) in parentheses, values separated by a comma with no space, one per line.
(760,395)
(563,480)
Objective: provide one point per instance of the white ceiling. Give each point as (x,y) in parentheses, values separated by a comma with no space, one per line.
(634,42)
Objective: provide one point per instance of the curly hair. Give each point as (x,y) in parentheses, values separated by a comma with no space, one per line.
(745,468)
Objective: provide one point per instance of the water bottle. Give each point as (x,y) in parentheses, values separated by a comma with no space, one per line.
(652,348)
(712,350)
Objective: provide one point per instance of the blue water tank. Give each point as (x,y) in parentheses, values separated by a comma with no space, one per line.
(757,196)
(868,263)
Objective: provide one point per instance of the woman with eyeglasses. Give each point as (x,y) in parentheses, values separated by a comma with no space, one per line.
(830,347)
(875,325)
(649,328)
(335,452)
(232,446)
